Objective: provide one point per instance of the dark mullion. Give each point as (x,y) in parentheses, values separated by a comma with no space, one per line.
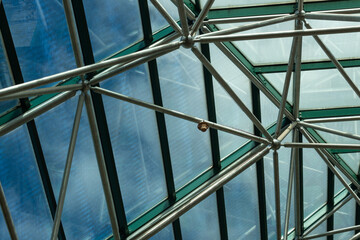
(330,201)
(357,215)
(214,140)
(160,118)
(260,172)
(101,121)
(15,70)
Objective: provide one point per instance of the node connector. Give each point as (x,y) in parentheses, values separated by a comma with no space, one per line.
(301,14)
(85,86)
(203,126)
(276,144)
(188,42)
(298,120)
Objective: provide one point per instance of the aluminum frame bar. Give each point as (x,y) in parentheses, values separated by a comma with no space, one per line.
(34,112)
(166,15)
(277,194)
(183,18)
(286,85)
(332,119)
(335,62)
(67,169)
(251,26)
(326,216)
(199,194)
(332,17)
(252,78)
(329,130)
(87,69)
(232,94)
(42,91)
(180,115)
(7,215)
(282,34)
(321,145)
(243,19)
(102,166)
(330,233)
(201,17)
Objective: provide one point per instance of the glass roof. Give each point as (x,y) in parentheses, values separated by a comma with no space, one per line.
(179,119)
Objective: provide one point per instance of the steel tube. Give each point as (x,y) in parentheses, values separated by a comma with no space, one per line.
(329,130)
(330,233)
(34,112)
(300,5)
(335,61)
(297,75)
(252,78)
(321,145)
(297,187)
(183,18)
(201,17)
(332,16)
(189,13)
(42,91)
(87,69)
(199,194)
(6,212)
(286,85)
(243,19)
(287,131)
(332,119)
(66,173)
(166,15)
(277,194)
(326,216)
(102,167)
(232,94)
(180,115)
(282,34)
(356,236)
(251,26)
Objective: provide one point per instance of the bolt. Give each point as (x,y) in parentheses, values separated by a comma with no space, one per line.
(203,126)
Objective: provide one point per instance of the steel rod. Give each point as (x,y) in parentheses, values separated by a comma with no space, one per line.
(286,85)
(183,18)
(87,69)
(102,167)
(67,169)
(356,236)
(42,91)
(297,75)
(282,34)
(166,15)
(335,62)
(329,130)
(287,131)
(326,216)
(321,145)
(250,26)
(300,5)
(332,16)
(232,94)
(201,17)
(297,187)
(248,74)
(330,233)
(7,215)
(34,112)
(199,194)
(189,13)
(180,115)
(277,194)
(243,19)
(332,119)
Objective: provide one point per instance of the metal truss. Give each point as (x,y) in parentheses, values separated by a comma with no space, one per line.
(87,76)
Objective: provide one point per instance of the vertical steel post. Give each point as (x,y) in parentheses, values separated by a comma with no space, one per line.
(277,194)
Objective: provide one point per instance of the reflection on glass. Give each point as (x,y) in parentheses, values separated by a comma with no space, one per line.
(135,141)
(41,37)
(227,111)
(352,160)
(242,206)
(25,196)
(242,3)
(269,112)
(109,27)
(157,20)
(182,86)
(345,217)
(85,214)
(201,222)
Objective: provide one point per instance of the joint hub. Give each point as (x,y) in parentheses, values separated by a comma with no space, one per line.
(188,42)
(276,144)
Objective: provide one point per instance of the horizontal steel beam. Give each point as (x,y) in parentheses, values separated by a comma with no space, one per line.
(330,233)
(321,145)
(243,19)
(180,115)
(332,119)
(332,16)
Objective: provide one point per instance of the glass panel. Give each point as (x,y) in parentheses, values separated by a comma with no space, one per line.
(264,51)
(41,37)
(242,3)
(5,81)
(338,185)
(345,217)
(182,85)
(269,112)
(135,141)
(242,207)
(231,115)
(201,222)
(85,214)
(157,20)
(109,27)
(23,188)
(352,160)
(165,234)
